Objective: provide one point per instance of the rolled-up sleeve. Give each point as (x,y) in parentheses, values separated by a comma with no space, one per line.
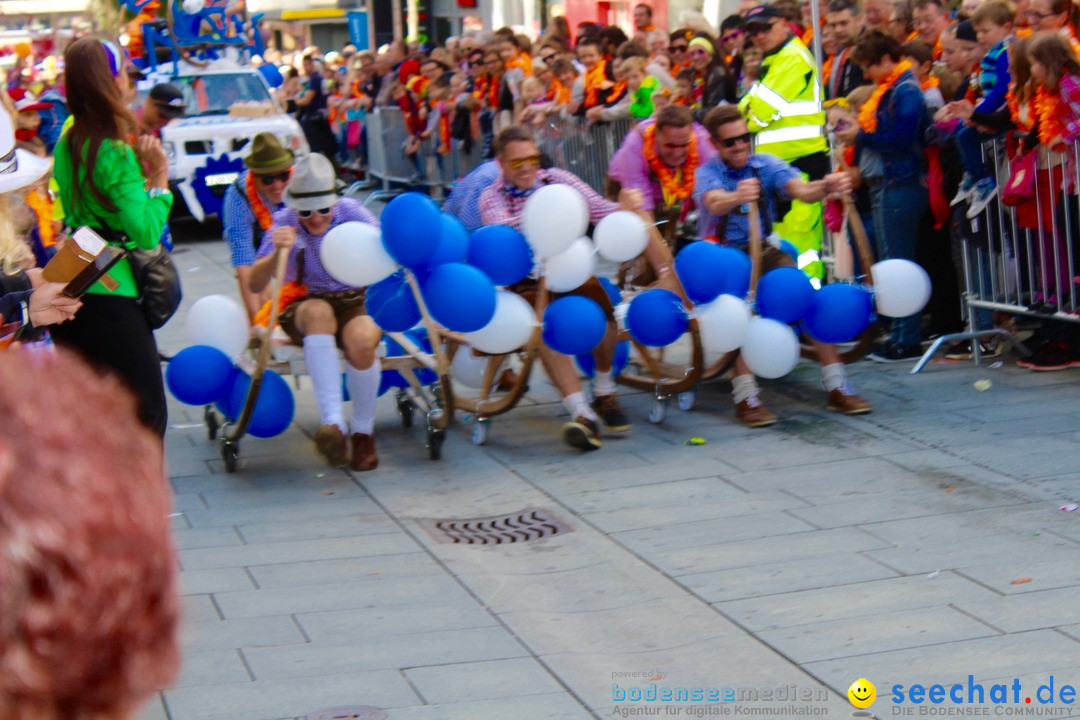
(141,217)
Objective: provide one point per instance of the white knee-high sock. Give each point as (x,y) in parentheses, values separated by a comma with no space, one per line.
(364,390)
(324,367)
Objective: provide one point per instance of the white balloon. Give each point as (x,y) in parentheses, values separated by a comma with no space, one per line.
(771,349)
(621,236)
(468,369)
(571,268)
(509,329)
(193,7)
(218,321)
(901,287)
(723,324)
(353,254)
(554,217)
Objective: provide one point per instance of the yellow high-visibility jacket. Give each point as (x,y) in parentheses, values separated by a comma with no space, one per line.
(783,107)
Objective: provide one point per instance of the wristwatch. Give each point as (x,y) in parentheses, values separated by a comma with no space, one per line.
(158,192)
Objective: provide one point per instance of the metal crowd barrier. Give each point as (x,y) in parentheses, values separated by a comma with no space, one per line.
(584,150)
(1020,261)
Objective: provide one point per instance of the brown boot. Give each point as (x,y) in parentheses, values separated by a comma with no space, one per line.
(751,412)
(844,400)
(363,452)
(331,444)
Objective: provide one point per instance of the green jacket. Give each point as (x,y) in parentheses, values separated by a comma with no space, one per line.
(783,108)
(119,177)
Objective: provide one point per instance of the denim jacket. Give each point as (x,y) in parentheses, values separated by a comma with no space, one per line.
(902,121)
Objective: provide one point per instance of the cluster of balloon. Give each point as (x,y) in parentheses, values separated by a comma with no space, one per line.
(205,373)
(391,348)
(716,280)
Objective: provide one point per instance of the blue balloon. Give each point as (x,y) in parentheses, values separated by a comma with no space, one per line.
(784,294)
(612,290)
(789,247)
(657,317)
(199,375)
(453,242)
(700,270)
(391,304)
(271,74)
(502,253)
(460,297)
(619,361)
(274,407)
(736,266)
(574,325)
(411,228)
(840,312)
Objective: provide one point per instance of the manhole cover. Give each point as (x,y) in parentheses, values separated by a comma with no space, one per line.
(353,712)
(530,524)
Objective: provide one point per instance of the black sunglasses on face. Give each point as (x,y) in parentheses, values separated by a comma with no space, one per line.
(732,141)
(753,30)
(305,214)
(271,179)
(679,48)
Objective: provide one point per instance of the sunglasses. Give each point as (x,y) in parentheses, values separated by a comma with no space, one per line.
(271,179)
(547,58)
(679,48)
(732,37)
(754,30)
(531,161)
(305,214)
(733,141)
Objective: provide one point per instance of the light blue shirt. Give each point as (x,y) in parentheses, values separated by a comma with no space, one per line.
(238,222)
(464,201)
(773,174)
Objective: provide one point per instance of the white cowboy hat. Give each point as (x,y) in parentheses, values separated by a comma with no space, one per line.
(18,168)
(313,185)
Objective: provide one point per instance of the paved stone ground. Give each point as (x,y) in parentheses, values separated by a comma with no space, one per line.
(918,544)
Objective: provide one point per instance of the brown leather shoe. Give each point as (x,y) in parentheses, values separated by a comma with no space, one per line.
(751,412)
(843,400)
(363,452)
(331,444)
(611,413)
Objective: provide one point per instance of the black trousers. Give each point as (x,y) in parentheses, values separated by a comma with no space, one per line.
(111,334)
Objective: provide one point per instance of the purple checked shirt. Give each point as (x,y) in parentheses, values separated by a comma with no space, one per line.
(316,279)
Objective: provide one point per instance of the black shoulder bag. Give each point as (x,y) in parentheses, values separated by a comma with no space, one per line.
(155,276)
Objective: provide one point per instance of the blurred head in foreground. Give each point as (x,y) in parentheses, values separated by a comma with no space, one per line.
(88,604)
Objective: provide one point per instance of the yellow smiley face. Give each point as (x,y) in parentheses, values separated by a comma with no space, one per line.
(862,693)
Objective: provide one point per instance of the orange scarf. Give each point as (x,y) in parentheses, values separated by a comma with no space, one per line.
(1048,112)
(523,61)
(826,69)
(258,207)
(558,93)
(1015,114)
(669,183)
(290,293)
(930,83)
(42,205)
(868,112)
(595,81)
(444,129)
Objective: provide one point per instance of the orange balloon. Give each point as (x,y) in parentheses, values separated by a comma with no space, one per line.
(23,50)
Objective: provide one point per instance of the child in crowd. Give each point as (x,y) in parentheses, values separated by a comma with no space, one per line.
(684,88)
(840,115)
(565,75)
(959,60)
(534,102)
(993,22)
(640,86)
(751,65)
(921,57)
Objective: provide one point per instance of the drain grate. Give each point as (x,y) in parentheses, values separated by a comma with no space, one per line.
(529,524)
(353,712)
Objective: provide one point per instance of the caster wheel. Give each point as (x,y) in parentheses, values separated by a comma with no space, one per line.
(405,410)
(658,410)
(434,443)
(212,424)
(687,400)
(480,431)
(230,453)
